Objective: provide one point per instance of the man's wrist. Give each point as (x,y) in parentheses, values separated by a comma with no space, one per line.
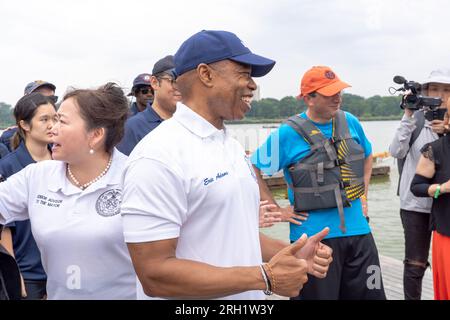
(267,281)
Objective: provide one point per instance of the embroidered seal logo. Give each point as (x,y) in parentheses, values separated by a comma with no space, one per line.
(330,75)
(108,204)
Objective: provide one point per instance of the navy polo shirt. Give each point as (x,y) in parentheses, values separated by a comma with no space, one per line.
(138,127)
(6,137)
(3,150)
(134,110)
(27,254)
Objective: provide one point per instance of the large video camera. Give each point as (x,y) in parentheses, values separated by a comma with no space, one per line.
(413,100)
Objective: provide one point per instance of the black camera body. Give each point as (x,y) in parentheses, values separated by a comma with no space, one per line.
(435,114)
(414,100)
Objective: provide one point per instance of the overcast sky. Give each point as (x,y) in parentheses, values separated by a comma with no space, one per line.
(85,43)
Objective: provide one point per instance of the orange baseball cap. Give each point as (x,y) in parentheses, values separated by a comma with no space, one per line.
(323,80)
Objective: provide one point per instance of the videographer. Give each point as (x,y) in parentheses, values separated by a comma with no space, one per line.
(417,128)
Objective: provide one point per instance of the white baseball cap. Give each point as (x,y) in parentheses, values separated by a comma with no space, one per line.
(438,76)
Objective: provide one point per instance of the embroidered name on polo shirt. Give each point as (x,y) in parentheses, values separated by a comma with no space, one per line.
(219,175)
(49,202)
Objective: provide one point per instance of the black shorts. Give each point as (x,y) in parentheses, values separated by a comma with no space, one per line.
(354,274)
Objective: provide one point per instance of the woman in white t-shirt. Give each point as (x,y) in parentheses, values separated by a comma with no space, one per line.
(73,203)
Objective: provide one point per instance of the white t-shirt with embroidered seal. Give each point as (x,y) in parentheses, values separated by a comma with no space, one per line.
(191,181)
(79,233)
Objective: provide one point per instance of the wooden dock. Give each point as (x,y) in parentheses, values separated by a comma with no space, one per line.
(392,273)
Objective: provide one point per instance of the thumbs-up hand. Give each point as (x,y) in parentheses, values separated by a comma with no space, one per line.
(317,255)
(289,272)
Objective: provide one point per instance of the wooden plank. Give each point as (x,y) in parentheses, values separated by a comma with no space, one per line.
(392,273)
(380,170)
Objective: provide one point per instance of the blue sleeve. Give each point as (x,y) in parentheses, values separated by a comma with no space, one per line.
(282,148)
(3,150)
(266,157)
(6,138)
(361,136)
(129,140)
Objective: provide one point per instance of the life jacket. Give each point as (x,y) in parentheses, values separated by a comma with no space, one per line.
(332,174)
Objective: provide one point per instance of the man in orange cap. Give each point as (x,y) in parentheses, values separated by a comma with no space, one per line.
(327,163)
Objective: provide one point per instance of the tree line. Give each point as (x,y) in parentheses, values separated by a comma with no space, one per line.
(270,109)
(6,115)
(373,108)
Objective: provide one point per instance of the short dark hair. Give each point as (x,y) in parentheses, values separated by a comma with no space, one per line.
(105,107)
(24,110)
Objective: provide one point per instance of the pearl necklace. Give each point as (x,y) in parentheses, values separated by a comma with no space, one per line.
(87,184)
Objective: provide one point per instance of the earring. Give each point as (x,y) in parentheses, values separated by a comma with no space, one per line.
(91,151)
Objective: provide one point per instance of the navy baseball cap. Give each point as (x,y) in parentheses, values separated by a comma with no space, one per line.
(208,46)
(141,80)
(32,86)
(165,65)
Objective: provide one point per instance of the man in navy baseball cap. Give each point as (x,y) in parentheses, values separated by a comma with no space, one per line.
(206,189)
(165,98)
(143,93)
(214,71)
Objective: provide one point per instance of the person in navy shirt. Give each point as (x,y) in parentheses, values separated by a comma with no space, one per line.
(164,105)
(3,150)
(35,115)
(350,237)
(143,93)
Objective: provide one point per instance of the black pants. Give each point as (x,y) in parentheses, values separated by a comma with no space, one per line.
(354,274)
(417,247)
(36,290)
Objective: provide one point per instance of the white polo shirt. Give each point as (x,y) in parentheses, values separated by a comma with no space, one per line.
(191,181)
(79,233)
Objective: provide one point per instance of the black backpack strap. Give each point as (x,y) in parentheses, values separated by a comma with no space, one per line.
(313,136)
(340,127)
(306,129)
(420,123)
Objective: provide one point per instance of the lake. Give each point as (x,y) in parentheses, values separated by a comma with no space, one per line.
(383,201)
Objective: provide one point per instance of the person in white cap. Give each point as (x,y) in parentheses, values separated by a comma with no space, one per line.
(412,134)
